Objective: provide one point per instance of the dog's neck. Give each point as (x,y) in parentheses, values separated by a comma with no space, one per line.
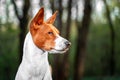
(34,63)
(32,53)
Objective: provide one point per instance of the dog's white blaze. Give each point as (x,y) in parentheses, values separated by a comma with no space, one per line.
(60,43)
(60,46)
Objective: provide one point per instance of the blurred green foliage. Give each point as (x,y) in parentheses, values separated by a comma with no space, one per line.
(8,51)
(98,52)
(97,57)
(98,47)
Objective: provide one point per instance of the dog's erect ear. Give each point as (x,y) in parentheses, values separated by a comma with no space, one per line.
(52,18)
(39,17)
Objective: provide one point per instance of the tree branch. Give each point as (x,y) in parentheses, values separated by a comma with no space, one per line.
(15,8)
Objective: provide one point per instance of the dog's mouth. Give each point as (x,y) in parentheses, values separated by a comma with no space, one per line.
(61,50)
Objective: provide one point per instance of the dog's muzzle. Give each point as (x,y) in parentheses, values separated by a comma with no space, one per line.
(61,45)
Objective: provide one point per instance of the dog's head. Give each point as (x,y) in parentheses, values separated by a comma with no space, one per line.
(45,36)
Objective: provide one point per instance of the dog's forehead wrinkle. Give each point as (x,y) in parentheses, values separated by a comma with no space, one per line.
(53,28)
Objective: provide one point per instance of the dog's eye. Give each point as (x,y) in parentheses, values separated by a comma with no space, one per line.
(51,33)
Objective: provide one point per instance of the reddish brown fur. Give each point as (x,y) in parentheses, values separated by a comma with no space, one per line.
(43,33)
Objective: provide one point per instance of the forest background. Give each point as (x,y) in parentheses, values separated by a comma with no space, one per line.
(92,26)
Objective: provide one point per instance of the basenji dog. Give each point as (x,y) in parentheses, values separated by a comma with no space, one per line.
(42,38)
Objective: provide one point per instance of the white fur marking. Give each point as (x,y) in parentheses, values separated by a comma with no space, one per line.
(35,64)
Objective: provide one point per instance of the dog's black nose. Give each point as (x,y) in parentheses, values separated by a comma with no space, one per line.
(67,43)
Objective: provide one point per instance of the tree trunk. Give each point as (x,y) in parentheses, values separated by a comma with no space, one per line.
(52,5)
(65,61)
(41,3)
(82,40)
(112,33)
(60,8)
(22,25)
(22,34)
(57,71)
